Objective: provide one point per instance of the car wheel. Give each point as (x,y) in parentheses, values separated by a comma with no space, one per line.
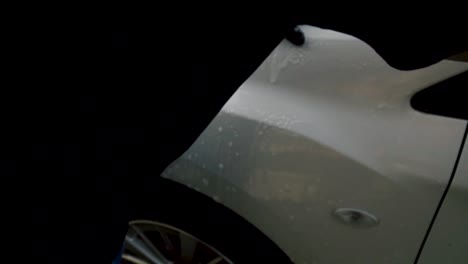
(175,224)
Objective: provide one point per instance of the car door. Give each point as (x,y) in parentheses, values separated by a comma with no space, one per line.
(447,236)
(447,240)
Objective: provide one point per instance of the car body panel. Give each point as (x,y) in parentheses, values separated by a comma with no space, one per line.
(325,126)
(448,239)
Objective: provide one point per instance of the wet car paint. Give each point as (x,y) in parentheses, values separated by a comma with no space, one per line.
(322,127)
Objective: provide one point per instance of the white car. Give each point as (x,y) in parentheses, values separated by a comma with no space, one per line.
(321,156)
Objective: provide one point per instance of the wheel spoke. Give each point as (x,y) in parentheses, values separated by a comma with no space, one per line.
(187,247)
(142,248)
(133,259)
(216,260)
(166,240)
(147,242)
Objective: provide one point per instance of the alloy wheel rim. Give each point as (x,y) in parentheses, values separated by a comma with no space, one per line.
(151,242)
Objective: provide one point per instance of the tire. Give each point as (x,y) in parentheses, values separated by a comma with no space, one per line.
(176,205)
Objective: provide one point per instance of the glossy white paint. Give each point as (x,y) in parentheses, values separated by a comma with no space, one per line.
(447,242)
(322,127)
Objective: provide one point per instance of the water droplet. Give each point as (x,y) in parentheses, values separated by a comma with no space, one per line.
(217,199)
(237,154)
(260,132)
(221,166)
(189,157)
(205,181)
(230,143)
(197,189)
(220,129)
(202,142)
(203,166)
